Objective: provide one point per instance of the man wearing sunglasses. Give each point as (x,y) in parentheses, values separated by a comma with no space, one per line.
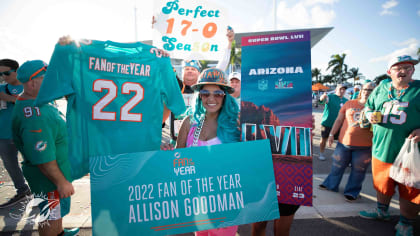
(8,151)
(40,134)
(398,102)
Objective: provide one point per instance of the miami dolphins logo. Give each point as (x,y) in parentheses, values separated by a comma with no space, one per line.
(403,58)
(40,146)
(26,211)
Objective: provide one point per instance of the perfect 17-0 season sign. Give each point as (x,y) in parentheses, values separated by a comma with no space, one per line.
(190,29)
(185,190)
(276,105)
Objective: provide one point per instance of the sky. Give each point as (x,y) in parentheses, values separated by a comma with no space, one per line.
(370,32)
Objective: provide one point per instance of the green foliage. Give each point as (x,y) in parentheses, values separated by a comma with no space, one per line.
(235,54)
(204,64)
(328,79)
(338,68)
(317,74)
(354,74)
(418,53)
(379,78)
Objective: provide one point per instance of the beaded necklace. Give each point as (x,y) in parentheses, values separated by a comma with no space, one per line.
(400,93)
(198,131)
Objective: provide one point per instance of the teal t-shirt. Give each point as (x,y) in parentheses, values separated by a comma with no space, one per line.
(6,114)
(399,118)
(116,94)
(331,109)
(39,133)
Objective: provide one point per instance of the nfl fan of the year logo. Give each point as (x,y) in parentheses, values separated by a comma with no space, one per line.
(183,165)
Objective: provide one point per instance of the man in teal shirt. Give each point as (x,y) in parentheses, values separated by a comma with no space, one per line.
(398,101)
(8,151)
(333,103)
(40,135)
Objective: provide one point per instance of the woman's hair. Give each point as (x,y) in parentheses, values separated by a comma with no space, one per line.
(227,121)
(14,65)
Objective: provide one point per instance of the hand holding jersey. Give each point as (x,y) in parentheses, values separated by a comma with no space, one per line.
(116,94)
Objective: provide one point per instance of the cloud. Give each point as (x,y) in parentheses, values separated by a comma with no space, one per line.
(411,47)
(305,14)
(418,12)
(258,25)
(387,6)
(19,48)
(314,2)
(322,17)
(408,42)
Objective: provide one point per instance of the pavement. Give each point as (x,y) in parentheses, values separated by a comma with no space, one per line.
(330,214)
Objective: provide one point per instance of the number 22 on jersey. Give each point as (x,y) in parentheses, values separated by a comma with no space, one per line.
(98,112)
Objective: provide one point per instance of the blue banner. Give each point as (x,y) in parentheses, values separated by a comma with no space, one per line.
(185,190)
(276,104)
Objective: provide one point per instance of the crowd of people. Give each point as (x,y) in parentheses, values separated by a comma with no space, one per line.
(372,129)
(40,135)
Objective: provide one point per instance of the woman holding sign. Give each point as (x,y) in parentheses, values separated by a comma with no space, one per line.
(214,120)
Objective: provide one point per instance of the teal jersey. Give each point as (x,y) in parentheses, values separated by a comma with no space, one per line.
(6,112)
(331,109)
(116,94)
(39,133)
(399,119)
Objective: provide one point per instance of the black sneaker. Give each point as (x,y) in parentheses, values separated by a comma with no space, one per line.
(322,187)
(350,198)
(17,198)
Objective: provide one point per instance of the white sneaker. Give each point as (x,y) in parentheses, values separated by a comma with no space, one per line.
(403,230)
(321,157)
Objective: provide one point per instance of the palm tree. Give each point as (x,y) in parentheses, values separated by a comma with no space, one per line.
(204,64)
(339,68)
(235,54)
(327,79)
(317,74)
(418,53)
(354,74)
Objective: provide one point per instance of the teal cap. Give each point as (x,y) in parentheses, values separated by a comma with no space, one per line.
(192,63)
(31,70)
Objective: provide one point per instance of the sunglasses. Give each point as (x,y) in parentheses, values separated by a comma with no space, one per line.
(44,68)
(400,68)
(7,73)
(368,90)
(216,94)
